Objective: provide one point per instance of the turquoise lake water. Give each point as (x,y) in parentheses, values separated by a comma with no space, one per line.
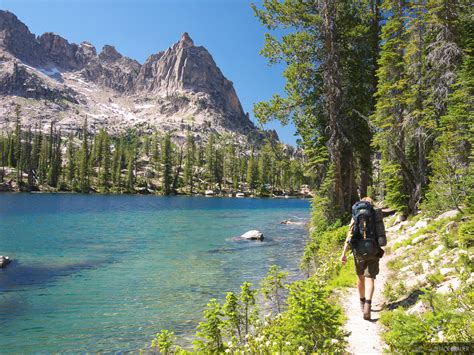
(105,273)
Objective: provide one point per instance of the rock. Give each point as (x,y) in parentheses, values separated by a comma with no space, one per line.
(291,222)
(446,270)
(397,227)
(405,268)
(4,261)
(426,266)
(209,193)
(400,218)
(436,252)
(450,226)
(419,239)
(446,287)
(252,235)
(448,214)
(418,308)
(418,225)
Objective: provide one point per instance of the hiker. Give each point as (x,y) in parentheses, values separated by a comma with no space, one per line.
(365,237)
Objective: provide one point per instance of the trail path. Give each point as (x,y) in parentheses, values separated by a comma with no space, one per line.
(365,335)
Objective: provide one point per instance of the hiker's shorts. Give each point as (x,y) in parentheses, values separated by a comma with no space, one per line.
(368,268)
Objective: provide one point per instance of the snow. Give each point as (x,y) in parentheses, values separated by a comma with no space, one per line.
(49,71)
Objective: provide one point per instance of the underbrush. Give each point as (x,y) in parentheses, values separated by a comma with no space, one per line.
(442,313)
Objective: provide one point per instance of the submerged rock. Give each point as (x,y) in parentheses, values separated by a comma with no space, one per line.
(4,261)
(292,222)
(252,235)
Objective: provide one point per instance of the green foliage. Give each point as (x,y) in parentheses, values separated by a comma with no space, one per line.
(310,324)
(163,342)
(396,196)
(273,285)
(448,320)
(167,163)
(210,330)
(466,234)
(329,49)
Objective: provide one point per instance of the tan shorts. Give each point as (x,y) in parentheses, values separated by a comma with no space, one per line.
(368,268)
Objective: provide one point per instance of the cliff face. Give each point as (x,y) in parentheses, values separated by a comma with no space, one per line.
(52,79)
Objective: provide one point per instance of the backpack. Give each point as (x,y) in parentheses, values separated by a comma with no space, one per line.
(364,241)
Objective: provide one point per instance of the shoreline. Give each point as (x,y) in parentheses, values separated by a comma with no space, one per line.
(223,195)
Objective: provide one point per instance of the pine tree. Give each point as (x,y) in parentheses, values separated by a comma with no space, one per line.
(390,107)
(28,158)
(252,172)
(105,163)
(71,163)
(17,147)
(131,157)
(84,162)
(211,161)
(35,153)
(189,163)
(43,159)
(328,45)
(451,184)
(167,162)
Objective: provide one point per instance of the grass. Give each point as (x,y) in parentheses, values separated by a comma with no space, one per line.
(346,277)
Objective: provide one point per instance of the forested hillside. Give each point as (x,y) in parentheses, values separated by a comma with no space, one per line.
(147,163)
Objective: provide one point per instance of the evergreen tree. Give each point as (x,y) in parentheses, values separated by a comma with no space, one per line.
(131,157)
(211,161)
(252,172)
(391,106)
(17,147)
(167,162)
(105,163)
(330,43)
(71,161)
(189,163)
(84,163)
(451,184)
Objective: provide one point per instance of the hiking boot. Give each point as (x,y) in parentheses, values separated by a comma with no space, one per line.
(366,310)
(362,303)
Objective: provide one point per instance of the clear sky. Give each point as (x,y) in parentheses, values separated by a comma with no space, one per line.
(138,28)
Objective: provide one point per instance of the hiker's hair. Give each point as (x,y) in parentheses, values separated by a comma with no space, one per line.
(367,199)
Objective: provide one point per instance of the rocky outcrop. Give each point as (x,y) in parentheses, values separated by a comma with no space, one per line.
(16,39)
(174,90)
(112,70)
(17,80)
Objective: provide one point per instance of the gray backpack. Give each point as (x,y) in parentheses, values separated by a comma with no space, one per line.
(380,227)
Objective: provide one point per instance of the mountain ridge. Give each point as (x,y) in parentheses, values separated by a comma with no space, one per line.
(177,89)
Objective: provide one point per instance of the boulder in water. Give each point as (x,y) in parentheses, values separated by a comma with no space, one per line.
(252,235)
(4,261)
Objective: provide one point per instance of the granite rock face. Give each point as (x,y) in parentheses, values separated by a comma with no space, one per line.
(177,89)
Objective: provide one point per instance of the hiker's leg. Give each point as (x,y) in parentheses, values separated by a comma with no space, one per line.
(370,288)
(361,285)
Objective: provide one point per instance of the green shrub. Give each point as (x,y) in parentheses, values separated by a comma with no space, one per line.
(163,342)
(466,234)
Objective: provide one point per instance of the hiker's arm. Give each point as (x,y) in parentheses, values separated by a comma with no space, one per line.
(346,243)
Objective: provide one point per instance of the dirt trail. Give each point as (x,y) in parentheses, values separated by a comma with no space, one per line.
(365,335)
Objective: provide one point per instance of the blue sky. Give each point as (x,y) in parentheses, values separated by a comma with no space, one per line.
(138,28)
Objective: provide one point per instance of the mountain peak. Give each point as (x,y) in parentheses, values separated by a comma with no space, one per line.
(109,54)
(186,40)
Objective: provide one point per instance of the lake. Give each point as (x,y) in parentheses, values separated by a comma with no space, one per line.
(106,272)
